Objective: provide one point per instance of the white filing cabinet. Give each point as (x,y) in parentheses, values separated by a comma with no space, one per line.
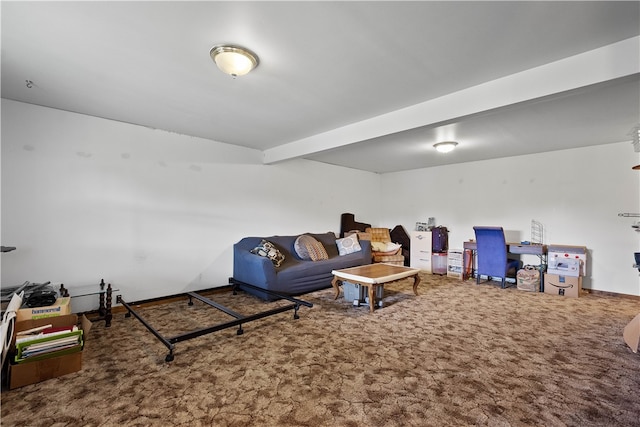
(421,250)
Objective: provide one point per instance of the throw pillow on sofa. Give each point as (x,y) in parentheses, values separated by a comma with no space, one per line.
(348,245)
(308,248)
(269,250)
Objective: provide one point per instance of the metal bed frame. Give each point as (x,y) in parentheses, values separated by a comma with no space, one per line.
(239,318)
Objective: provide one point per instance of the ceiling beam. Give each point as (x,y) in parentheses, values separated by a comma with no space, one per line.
(599,65)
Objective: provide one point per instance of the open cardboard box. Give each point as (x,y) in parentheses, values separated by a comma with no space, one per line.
(631,334)
(32,372)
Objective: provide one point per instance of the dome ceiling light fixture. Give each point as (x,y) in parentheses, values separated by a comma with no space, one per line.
(233,60)
(445,146)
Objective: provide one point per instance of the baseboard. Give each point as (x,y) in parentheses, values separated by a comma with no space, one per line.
(612,294)
(160,300)
(178,297)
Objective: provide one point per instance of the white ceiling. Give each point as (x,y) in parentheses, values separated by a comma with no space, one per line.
(368,85)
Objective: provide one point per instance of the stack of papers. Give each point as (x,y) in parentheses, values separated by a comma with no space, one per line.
(48,343)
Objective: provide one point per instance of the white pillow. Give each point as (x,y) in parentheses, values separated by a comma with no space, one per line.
(392,247)
(385,247)
(348,245)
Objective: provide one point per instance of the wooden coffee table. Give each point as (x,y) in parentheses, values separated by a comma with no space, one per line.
(372,276)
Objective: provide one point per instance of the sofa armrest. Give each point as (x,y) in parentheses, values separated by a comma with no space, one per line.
(253,269)
(365,246)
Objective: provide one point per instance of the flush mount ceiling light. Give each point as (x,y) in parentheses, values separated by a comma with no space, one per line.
(446,146)
(233,60)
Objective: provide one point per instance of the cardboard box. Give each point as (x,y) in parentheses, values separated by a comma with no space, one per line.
(631,334)
(562,259)
(564,266)
(454,263)
(31,372)
(567,286)
(60,308)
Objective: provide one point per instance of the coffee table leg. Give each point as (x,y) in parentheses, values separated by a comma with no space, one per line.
(372,297)
(416,282)
(335,285)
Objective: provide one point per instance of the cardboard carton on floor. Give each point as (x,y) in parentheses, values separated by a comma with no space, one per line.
(61,307)
(631,334)
(562,285)
(557,254)
(31,372)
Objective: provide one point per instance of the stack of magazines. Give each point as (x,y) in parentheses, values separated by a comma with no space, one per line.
(47,342)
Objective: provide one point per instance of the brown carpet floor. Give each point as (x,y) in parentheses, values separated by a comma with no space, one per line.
(456,355)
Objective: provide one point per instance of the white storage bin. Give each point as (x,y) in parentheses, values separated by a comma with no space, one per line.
(439,263)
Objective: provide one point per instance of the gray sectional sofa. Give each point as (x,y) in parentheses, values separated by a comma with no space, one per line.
(295,276)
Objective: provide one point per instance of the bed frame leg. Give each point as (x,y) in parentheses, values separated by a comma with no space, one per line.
(190,300)
(169,357)
(295,311)
(240,331)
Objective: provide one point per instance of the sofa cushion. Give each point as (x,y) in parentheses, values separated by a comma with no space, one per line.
(269,250)
(348,245)
(308,248)
(300,246)
(328,240)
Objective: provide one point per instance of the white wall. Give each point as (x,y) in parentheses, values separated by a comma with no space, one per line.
(152,212)
(576,194)
(156,213)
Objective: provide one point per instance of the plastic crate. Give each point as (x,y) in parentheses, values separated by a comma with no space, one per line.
(439,263)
